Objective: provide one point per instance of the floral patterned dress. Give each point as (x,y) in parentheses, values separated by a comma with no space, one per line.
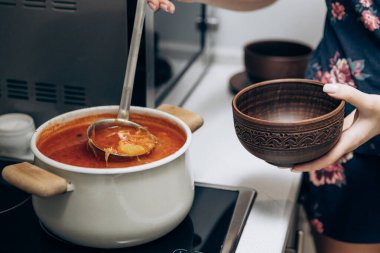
(343,200)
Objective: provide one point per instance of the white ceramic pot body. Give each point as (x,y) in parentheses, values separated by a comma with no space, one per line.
(114,208)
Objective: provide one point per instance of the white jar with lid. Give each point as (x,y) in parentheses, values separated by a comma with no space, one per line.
(16,130)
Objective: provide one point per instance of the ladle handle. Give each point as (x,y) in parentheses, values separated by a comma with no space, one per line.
(133,54)
(34,180)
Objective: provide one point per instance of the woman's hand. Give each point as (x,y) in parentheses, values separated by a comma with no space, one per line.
(360,126)
(164,5)
(237,5)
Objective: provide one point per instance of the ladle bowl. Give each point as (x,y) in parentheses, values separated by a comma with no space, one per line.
(287,121)
(103,153)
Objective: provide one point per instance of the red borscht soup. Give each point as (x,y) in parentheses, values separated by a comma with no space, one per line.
(67,143)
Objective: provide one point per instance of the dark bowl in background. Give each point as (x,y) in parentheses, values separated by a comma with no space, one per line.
(274,59)
(287,121)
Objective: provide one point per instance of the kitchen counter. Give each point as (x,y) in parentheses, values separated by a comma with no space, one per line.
(217,157)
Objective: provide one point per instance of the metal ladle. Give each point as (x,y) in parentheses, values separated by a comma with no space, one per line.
(125,102)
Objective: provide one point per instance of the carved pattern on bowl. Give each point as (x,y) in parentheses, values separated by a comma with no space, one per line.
(287,141)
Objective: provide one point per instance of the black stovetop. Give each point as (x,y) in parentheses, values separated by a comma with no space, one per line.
(214,224)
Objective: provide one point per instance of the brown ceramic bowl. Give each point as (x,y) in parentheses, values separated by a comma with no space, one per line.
(287,121)
(273,59)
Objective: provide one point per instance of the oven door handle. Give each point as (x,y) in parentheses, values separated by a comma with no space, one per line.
(300,242)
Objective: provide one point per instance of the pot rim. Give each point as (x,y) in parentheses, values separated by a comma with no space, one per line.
(328,115)
(109,109)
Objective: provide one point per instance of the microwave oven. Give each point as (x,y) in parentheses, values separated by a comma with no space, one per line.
(61,55)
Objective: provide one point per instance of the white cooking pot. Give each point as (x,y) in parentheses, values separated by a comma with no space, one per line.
(108,208)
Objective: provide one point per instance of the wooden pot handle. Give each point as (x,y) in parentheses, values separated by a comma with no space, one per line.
(34,180)
(192,119)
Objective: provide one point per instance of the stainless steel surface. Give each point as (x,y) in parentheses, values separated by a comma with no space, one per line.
(299,245)
(150,92)
(181,87)
(129,78)
(239,217)
(238,220)
(295,235)
(300,241)
(189,81)
(211,23)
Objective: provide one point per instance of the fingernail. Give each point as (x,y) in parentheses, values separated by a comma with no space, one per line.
(295,170)
(164,7)
(330,88)
(171,9)
(152,6)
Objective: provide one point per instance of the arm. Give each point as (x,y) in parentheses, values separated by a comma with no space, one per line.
(237,5)
(360,126)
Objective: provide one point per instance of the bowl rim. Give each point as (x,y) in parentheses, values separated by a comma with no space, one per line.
(278,58)
(272,123)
